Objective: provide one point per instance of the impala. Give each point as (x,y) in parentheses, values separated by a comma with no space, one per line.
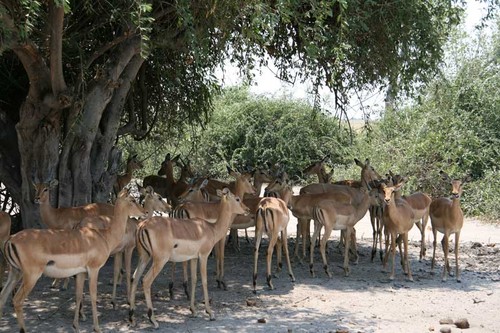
(64,253)
(65,217)
(318,168)
(420,204)
(163,239)
(5,223)
(152,203)
(182,184)
(163,185)
(122,180)
(209,211)
(195,193)
(345,192)
(398,217)
(447,218)
(333,214)
(272,217)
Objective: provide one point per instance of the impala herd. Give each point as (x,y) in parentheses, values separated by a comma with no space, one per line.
(78,241)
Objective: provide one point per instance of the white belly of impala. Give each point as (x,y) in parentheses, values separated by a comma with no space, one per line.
(185,250)
(63,266)
(341,222)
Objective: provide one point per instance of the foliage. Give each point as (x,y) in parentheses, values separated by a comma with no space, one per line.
(255,131)
(454,126)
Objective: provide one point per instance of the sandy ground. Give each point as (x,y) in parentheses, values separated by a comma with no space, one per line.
(366,301)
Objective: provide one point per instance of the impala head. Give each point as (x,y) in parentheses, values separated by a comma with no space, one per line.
(194,192)
(243,184)
(186,170)
(456,184)
(368,173)
(133,163)
(126,202)
(318,168)
(236,204)
(42,191)
(388,191)
(167,165)
(262,175)
(153,202)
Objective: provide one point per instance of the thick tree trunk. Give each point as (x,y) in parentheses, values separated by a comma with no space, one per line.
(38,134)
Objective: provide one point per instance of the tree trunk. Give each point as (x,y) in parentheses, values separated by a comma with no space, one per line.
(38,134)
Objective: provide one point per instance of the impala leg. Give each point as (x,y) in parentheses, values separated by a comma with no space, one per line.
(185,277)
(387,247)
(194,267)
(80,279)
(171,283)
(258,239)
(322,248)
(12,280)
(444,243)
(220,265)
(317,229)
(2,269)
(128,268)
(399,239)
(407,261)
(393,254)
(141,266)
(434,245)
(117,260)
(93,276)
(423,250)
(374,231)
(354,246)
(65,284)
(306,236)
(29,280)
(272,242)
(203,273)
(380,228)
(155,269)
(284,238)
(279,254)
(297,237)
(348,233)
(457,268)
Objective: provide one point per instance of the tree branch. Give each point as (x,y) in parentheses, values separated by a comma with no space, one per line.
(56,21)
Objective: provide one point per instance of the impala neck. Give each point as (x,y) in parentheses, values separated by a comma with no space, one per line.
(118,223)
(48,213)
(363,202)
(224,220)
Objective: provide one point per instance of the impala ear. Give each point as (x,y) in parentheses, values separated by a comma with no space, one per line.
(444,175)
(467,179)
(53,183)
(358,163)
(123,193)
(204,183)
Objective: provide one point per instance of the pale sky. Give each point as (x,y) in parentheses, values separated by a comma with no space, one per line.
(266,83)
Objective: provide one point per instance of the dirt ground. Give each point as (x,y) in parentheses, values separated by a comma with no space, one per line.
(366,301)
